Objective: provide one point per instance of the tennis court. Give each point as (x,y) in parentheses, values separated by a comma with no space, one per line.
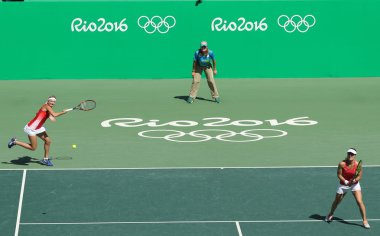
(121,183)
(299,85)
(206,201)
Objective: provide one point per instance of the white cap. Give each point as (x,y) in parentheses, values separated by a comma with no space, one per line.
(353,151)
(52,99)
(203,43)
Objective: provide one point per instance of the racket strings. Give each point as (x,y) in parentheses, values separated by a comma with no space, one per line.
(358,169)
(87,105)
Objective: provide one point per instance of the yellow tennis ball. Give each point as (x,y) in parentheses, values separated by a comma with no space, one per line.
(74,146)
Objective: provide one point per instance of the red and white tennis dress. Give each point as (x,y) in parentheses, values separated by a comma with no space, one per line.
(35,126)
(348,174)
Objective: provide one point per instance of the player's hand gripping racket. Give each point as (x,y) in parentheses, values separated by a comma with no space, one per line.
(358,169)
(86,105)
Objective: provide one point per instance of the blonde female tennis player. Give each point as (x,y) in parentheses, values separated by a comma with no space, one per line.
(348,182)
(35,128)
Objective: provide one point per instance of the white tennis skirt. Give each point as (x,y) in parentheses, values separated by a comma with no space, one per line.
(33,132)
(344,188)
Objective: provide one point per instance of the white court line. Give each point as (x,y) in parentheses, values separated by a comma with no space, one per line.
(238,228)
(20,203)
(188,222)
(184,168)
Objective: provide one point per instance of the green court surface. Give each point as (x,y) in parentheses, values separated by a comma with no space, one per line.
(268,201)
(148,163)
(268,122)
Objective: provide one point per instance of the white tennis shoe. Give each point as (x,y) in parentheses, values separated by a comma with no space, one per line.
(329,218)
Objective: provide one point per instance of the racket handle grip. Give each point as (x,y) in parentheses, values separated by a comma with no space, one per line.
(66,110)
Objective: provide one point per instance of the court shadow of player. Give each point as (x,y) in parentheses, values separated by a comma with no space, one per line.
(23,161)
(197,98)
(337,219)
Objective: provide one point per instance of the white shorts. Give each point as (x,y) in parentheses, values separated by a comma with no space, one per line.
(33,132)
(344,188)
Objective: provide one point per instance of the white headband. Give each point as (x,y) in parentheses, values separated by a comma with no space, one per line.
(52,99)
(351,151)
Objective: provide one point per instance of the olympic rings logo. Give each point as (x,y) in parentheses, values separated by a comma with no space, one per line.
(204,135)
(156,23)
(296,22)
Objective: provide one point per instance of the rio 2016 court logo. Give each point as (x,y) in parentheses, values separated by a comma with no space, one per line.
(151,25)
(296,22)
(216,129)
(242,24)
(101,25)
(289,23)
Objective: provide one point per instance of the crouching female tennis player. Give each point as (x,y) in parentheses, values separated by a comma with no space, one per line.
(35,128)
(348,182)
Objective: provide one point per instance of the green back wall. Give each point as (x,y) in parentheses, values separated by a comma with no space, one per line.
(37,41)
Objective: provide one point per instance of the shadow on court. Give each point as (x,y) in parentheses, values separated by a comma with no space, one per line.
(340,220)
(23,161)
(197,98)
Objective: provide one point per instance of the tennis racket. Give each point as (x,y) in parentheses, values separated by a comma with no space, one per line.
(358,169)
(86,105)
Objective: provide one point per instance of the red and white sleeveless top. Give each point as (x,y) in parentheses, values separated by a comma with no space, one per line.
(348,173)
(39,119)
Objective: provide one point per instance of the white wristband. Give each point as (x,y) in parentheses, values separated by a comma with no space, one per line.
(345,182)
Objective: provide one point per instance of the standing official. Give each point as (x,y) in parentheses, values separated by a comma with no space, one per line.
(204,60)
